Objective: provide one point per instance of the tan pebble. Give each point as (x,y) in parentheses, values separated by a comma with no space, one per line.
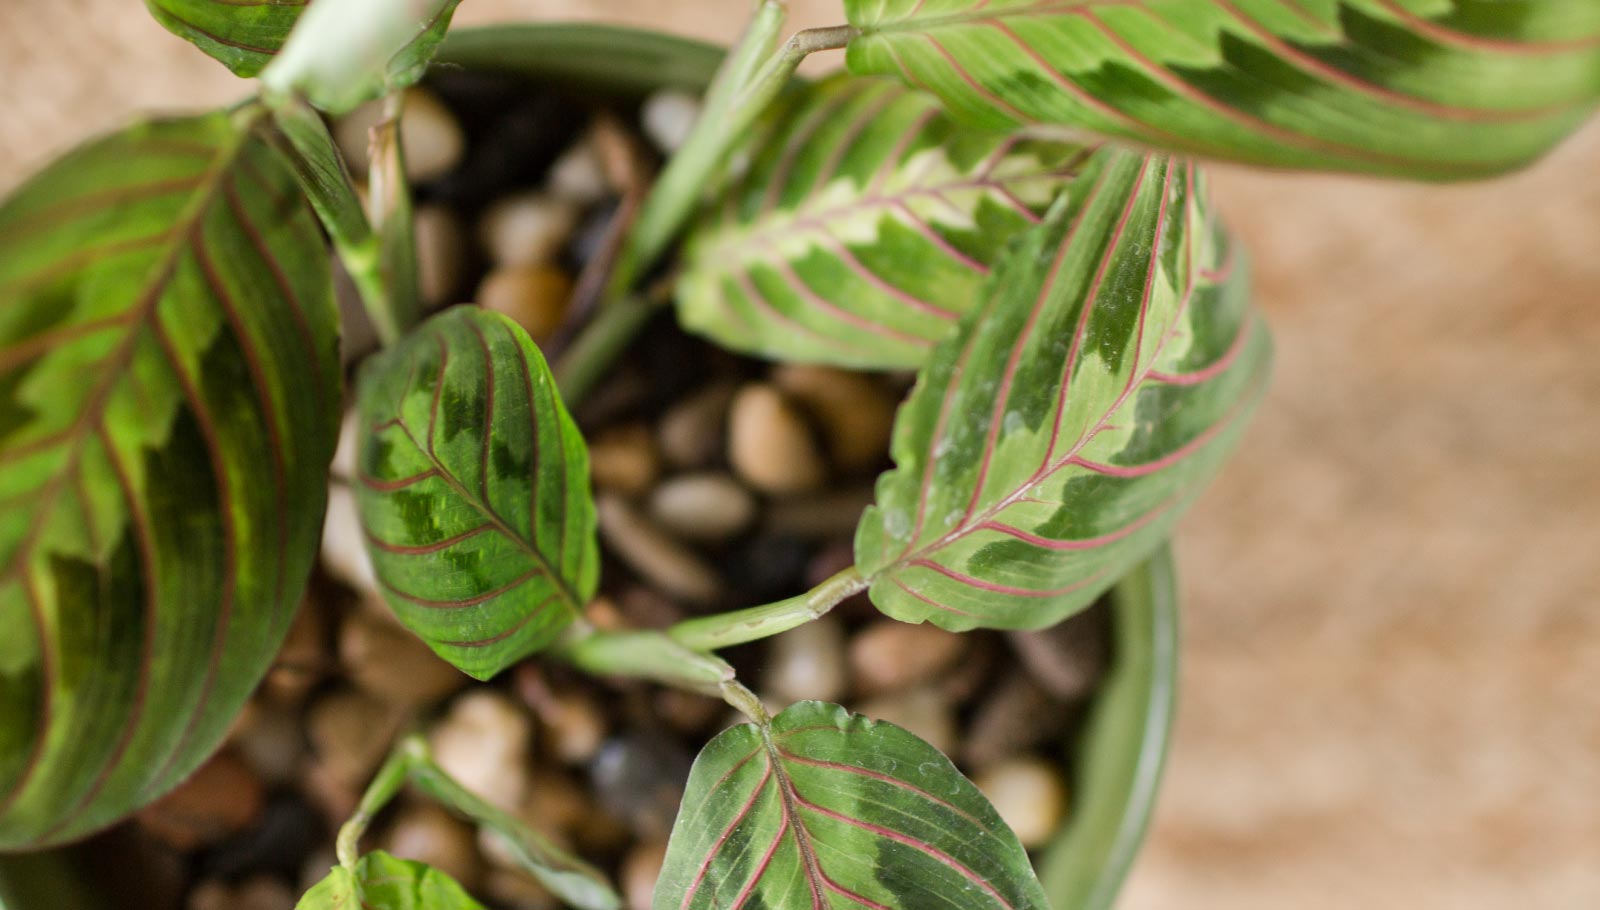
(344,547)
(769,443)
(1067,659)
(707,507)
(391,663)
(343,467)
(557,804)
(653,553)
(640,869)
(483,742)
(425,833)
(1030,795)
(808,662)
(441,254)
(691,430)
(429,133)
(687,712)
(668,116)
(856,414)
(351,731)
(1013,716)
(527,229)
(210,895)
(624,459)
(224,796)
(535,297)
(925,712)
(603,614)
(579,175)
(302,660)
(263,893)
(575,723)
(514,888)
(270,740)
(890,655)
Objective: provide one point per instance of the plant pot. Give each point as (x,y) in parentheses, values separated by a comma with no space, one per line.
(1116,760)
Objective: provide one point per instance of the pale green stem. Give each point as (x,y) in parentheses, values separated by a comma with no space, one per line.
(643,654)
(390,778)
(722,630)
(389,211)
(593,351)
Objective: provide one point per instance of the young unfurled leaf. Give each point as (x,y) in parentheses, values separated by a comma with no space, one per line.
(473,488)
(382,882)
(1050,444)
(830,809)
(346,53)
(169,388)
(242,34)
(864,229)
(1434,89)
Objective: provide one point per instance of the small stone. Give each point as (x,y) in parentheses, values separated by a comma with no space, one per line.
(527,229)
(391,663)
(276,843)
(579,175)
(351,732)
(431,137)
(441,254)
(856,415)
(808,662)
(890,655)
(1030,796)
(575,724)
(620,154)
(534,296)
(707,507)
(624,459)
(269,738)
(1067,659)
(691,430)
(558,804)
(425,833)
(769,443)
(514,888)
(483,743)
(1014,717)
(210,895)
(644,607)
(640,869)
(303,659)
(262,893)
(639,777)
(344,547)
(224,796)
(653,553)
(343,468)
(668,117)
(826,515)
(687,712)
(925,712)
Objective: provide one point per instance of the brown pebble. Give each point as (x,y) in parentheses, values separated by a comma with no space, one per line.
(527,229)
(653,553)
(262,893)
(856,415)
(483,742)
(429,133)
(534,296)
(516,888)
(624,459)
(425,833)
(1067,659)
(441,254)
(769,443)
(351,732)
(303,659)
(391,663)
(210,895)
(268,736)
(223,797)
(825,515)
(709,507)
(807,662)
(691,430)
(640,869)
(925,712)
(574,722)
(890,655)
(1030,795)
(1016,715)
(687,712)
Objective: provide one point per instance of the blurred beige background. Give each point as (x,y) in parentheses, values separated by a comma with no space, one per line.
(1392,661)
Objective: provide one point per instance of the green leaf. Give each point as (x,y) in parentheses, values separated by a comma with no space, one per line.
(829,809)
(1435,89)
(347,53)
(865,227)
(169,390)
(382,882)
(242,34)
(1051,444)
(474,491)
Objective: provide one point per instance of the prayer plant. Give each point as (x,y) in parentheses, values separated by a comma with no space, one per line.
(999,194)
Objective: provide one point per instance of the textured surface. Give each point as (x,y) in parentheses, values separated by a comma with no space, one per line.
(168,400)
(1390,634)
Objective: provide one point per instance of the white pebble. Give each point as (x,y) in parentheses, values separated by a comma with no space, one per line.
(344,548)
(527,229)
(654,554)
(668,117)
(703,507)
(1030,796)
(483,743)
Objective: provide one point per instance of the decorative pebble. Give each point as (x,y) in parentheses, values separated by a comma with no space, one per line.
(653,553)
(890,655)
(344,548)
(343,467)
(624,459)
(302,659)
(579,175)
(925,712)
(527,229)
(687,712)
(429,133)
(483,743)
(1067,659)
(269,738)
(441,254)
(575,723)
(276,843)
(534,296)
(516,888)
(639,777)
(856,415)
(210,895)
(222,797)
(391,663)
(826,515)
(1030,796)
(425,833)
(769,443)
(640,869)
(351,732)
(703,507)
(668,117)
(262,893)
(1014,716)
(691,430)
(807,662)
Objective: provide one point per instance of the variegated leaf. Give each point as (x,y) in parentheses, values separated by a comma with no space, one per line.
(1051,444)
(473,489)
(243,35)
(1434,89)
(829,809)
(169,388)
(383,882)
(864,228)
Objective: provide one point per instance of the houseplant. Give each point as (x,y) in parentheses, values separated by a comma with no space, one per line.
(1436,90)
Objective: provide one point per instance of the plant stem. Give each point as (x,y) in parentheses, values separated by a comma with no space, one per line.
(599,344)
(643,654)
(390,778)
(708,633)
(389,212)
